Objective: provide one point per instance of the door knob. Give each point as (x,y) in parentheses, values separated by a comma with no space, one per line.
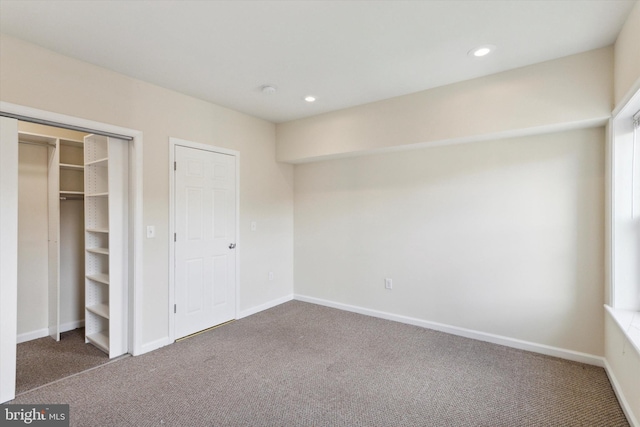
(232,246)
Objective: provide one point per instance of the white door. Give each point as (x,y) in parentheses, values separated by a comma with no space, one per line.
(205,225)
(8,256)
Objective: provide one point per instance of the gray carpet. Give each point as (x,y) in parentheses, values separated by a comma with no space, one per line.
(299,364)
(44,360)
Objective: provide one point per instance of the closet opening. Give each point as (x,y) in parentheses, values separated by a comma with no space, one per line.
(73,252)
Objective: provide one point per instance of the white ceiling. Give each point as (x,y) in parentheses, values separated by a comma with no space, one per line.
(345,53)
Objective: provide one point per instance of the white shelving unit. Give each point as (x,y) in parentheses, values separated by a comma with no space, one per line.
(105,189)
(71,167)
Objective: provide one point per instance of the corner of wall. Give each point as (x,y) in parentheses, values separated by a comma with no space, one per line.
(627,56)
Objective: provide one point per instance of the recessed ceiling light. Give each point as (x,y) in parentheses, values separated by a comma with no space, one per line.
(268,89)
(310,98)
(481,51)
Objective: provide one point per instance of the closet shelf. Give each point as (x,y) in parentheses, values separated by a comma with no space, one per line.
(72,143)
(99,162)
(100,340)
(98,230)
(102,278)
(69,166)
(102,251)
(105,194)
(101,310)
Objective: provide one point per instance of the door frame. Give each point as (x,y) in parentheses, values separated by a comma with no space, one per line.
(173,143)
(10,285)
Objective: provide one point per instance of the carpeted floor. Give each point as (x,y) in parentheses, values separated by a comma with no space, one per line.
(44,360)
(300,364)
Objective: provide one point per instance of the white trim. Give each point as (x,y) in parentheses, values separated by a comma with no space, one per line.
(62,118)
(625,321)
(154,345)
(70,326)
(44,332)
(265,306)
(33,335)
(200,146)
(463,332)
(609,213)
(172,246)
(173,142)
(136,255)
(624,404)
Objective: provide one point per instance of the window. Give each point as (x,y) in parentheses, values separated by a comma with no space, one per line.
(624,242)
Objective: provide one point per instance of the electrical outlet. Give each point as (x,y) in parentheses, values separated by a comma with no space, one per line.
(388,283)
(151,231)
(254,226)
(271,275)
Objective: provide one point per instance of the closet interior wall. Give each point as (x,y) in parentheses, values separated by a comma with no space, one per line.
(35,195)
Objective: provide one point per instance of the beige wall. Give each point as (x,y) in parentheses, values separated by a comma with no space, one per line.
(562,94)
(503,237)
(42,79)
(33,279)
(627,55)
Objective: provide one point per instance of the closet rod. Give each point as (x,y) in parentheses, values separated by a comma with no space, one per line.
(63,126)
(37,143)
(63,198)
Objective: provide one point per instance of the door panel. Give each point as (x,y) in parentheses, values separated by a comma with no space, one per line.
(220,222)
(8,256)
(195,286)
(220,279)
(194,213)
(205,215)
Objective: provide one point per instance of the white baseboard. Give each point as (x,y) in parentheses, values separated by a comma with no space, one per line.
(71,326)
(153,345)
(463,332)
(32,335)
(41,333)
(44,332)
(624,404)
(265,306)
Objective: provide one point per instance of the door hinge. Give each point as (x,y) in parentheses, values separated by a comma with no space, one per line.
(175,166)
(175,237)
(175,308)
